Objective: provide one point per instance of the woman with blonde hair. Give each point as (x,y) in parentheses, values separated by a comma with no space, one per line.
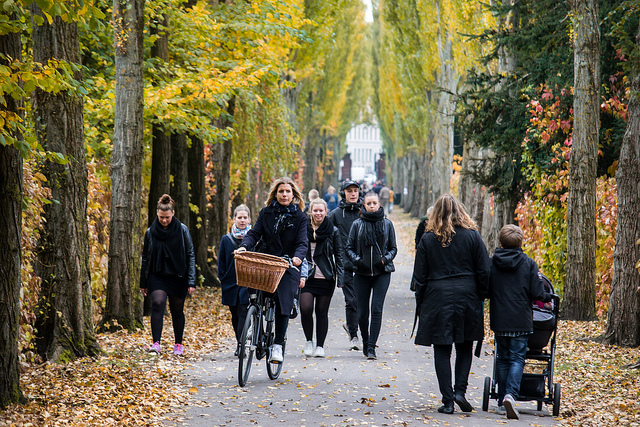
(451,274)
(282,230)
(325,270)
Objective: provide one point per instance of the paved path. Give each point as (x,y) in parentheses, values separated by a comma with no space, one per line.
(345,389)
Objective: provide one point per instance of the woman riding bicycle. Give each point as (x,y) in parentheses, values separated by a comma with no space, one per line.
(281,229)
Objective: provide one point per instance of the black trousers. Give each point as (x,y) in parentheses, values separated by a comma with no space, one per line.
(350,303)
(442,360)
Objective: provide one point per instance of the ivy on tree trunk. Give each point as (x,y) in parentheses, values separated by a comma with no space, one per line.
(10,242)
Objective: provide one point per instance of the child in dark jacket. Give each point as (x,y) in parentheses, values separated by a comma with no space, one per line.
(514,286)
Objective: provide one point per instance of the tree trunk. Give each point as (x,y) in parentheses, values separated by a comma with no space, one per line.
(579,302)
(161,141)
(623,325)
(64,320)
(221,160)
(10,242)
(198,215)
(123,301)
(180,176)
(311,154)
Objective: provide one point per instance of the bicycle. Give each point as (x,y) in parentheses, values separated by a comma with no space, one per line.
(258,334)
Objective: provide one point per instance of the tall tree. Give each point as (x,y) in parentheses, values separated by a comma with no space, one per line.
(10,235)
(623,324)
(218,212)
(64,321)
(580,297)
(198,212)
(160,137)
(123,301)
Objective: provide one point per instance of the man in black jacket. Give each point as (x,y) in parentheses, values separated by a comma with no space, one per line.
(513,287)
(342,217)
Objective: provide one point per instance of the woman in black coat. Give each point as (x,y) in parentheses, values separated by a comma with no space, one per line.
(451,274)
(371,248)
(168,271)
(325,270)
(282,229)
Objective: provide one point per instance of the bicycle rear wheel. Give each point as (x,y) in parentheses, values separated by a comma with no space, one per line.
(247,345)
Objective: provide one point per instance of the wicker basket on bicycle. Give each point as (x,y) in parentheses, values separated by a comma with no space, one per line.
(259,271)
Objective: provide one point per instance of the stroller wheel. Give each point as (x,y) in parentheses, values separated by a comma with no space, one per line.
(486,394)
(556,399)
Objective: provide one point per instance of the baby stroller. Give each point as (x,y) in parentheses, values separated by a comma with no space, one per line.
(537,380)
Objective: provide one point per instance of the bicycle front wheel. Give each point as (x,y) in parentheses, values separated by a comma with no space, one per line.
(248,341)
(274,369)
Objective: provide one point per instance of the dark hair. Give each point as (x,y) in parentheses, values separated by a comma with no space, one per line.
(166,203)
(371,193)
(511,236)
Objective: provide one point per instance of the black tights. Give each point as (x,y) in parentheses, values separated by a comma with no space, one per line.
(322,303)
(442,360)
(176,307)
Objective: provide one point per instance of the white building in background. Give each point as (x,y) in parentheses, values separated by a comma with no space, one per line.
(364,146)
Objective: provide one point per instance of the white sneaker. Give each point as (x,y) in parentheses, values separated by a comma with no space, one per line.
(308,349)
(276,354)
(355,345)
(319,352)
(510,406)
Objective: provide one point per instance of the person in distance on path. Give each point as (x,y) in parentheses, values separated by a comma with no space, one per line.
(348,210)
(234,296)
(168,271)
(325,269)
(371,247)
(282,226)
(451,274)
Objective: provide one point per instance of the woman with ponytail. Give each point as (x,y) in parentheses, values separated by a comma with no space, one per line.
(168,271)
(371,247)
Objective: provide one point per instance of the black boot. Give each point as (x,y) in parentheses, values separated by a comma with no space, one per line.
(447,408)
(462,403)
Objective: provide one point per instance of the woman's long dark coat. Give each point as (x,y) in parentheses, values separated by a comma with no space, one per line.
(451,283)
(292,241)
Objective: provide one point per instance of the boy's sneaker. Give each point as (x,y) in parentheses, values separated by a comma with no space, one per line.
(510,407)
(178,349)
(354,345)
(154,348)
(308,349)
(319,352)
(276,354)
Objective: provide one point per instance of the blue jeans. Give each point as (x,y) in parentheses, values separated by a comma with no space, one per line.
(510,354)
(371,291)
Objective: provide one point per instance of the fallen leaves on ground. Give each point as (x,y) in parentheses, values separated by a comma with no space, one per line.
(126,385)
(597,388)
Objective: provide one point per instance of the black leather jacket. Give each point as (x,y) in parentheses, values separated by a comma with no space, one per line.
(328,257)
(368,260)
(188,247)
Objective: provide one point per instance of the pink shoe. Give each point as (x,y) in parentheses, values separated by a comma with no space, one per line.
(154,348)
(178,349)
